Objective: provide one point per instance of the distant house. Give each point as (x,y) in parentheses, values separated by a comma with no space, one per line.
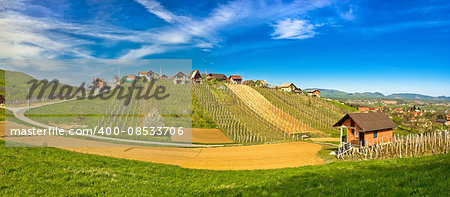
(289,87)
(196,77)
(142,74)
(152,75)
(235,79)
(180,78)
(398,110)
(249,82)
(365,129)
(314,93)
(131,78)
(163,77)
(99,83)
(218,77)
(363,109)
(261,83)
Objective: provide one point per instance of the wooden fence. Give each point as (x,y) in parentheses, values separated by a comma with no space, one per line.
(400,146)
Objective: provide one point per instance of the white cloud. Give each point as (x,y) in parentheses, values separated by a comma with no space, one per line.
(23,37)
(145,50)
(293,29)
(51,36)
(348,15)
(195,33)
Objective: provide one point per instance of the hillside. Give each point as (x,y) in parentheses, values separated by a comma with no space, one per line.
(330,93)
(15,87)
(317,113)
(256,102)
(232,116)
(77,174)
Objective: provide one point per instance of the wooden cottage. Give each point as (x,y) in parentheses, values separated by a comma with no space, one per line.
(365,129)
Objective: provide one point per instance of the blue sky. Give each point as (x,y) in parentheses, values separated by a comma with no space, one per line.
(400,46)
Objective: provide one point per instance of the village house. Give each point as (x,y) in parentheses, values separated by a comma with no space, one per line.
(365,129)
(180,78)
(235,79)
(98,83)
(398,110)
(163,77)
(363,109)
(314,92)
(261,83)
(142,74)
(288,87)
(218,77)
(152,75)
(196,77)
(249,82)
(131,78)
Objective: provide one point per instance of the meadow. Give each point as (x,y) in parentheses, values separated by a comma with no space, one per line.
(50,171)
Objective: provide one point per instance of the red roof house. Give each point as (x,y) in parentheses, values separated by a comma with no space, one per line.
(235,79)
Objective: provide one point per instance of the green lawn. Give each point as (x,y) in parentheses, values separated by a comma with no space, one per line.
(50,171)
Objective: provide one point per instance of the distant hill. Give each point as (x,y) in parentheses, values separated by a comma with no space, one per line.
(413,96)
(330,93)
(16,87)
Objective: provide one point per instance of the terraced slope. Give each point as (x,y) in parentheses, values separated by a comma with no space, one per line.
(315,112)
(265,109)
(233,117)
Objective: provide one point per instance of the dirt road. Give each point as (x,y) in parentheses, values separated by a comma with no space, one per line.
(267,156)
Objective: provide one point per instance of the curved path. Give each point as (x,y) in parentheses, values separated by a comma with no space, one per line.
(264,156)
(19,112)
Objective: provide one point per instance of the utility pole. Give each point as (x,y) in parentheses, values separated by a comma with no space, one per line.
(28,100)
(118,71)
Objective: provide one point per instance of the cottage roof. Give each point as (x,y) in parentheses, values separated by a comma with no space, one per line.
(235,77)
(217,76)
(196,74)
(262,81)
(369,121)
(285,85)
(99,80)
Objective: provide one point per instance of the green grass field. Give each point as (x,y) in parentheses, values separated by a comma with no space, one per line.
(50,171)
